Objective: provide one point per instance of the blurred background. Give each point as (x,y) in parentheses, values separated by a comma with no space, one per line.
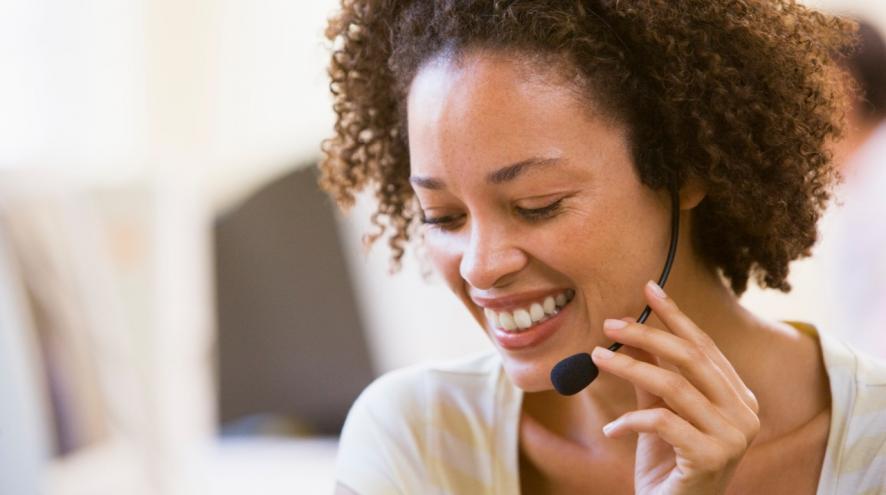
(182,311)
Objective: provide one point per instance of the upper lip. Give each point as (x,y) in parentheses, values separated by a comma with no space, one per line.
(514,301)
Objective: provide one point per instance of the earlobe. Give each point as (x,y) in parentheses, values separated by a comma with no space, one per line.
(691,194)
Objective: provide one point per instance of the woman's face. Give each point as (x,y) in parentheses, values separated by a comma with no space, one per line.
(535,196)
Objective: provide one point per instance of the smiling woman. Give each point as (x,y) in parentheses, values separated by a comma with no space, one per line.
(532,146)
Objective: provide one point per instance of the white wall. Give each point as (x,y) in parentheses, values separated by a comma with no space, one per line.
(72,85)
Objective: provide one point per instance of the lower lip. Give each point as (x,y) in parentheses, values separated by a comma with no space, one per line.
(531,337)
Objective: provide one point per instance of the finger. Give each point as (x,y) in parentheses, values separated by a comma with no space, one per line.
(676,431)
(682,326)
(688,358)
(703,451)
(692,363)
(671,387)
(644,399)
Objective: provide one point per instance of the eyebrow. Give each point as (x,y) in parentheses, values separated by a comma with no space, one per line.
(500,176)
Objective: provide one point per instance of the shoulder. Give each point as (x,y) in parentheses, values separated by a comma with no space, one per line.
(862,375)
(405,421)
(857,440)
(409,391)
(402,403)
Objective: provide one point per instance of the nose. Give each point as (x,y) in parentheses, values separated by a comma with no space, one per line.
(491,257)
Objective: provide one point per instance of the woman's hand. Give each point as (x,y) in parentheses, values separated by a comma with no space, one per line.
(694,423)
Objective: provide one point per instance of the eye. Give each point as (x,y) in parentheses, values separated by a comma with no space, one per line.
(542,213)
(447,222)
(450,222)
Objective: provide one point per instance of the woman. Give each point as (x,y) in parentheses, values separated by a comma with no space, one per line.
(537,142)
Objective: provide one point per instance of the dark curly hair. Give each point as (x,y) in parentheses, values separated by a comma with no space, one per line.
(742,94)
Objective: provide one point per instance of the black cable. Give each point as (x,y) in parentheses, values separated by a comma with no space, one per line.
(573,374)
(672,253)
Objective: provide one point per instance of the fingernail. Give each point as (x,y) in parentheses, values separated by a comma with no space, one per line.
(609,427)
(614,324)
(658,291)
(603,353)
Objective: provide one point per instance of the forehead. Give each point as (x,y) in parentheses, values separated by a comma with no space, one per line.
(491,89)
(470,115)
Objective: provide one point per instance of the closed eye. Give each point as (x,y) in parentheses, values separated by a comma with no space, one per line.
(541,213)
(449,222)
(444,222)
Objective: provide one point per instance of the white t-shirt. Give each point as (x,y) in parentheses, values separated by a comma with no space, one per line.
(452,428)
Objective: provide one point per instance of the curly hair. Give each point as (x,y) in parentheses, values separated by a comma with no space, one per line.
(744,95)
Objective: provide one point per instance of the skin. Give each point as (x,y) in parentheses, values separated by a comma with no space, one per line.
(682,384)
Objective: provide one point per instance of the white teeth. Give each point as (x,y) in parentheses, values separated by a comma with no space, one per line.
(506,321)
(536,312)
(550,305)
(490,314)
(522,318)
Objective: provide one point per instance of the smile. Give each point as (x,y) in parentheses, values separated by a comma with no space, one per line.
(522,319)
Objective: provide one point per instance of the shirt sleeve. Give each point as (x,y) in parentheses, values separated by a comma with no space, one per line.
(381,445)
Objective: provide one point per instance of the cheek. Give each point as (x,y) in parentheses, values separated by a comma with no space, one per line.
(583,247)
(443,252)
(607,255)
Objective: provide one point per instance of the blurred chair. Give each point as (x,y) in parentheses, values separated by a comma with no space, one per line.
(291,343)
(71,398)
(24,427)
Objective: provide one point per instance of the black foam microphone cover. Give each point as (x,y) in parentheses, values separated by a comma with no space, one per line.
(571,375)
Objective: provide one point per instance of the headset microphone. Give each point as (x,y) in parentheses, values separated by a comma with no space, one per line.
(573,374)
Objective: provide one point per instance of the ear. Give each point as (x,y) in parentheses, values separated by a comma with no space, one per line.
(691,194)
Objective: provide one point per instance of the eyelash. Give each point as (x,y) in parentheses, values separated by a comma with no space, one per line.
(532,215)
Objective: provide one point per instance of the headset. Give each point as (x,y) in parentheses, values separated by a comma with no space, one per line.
(571,375)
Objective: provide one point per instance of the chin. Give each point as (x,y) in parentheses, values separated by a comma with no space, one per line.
(529,364)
